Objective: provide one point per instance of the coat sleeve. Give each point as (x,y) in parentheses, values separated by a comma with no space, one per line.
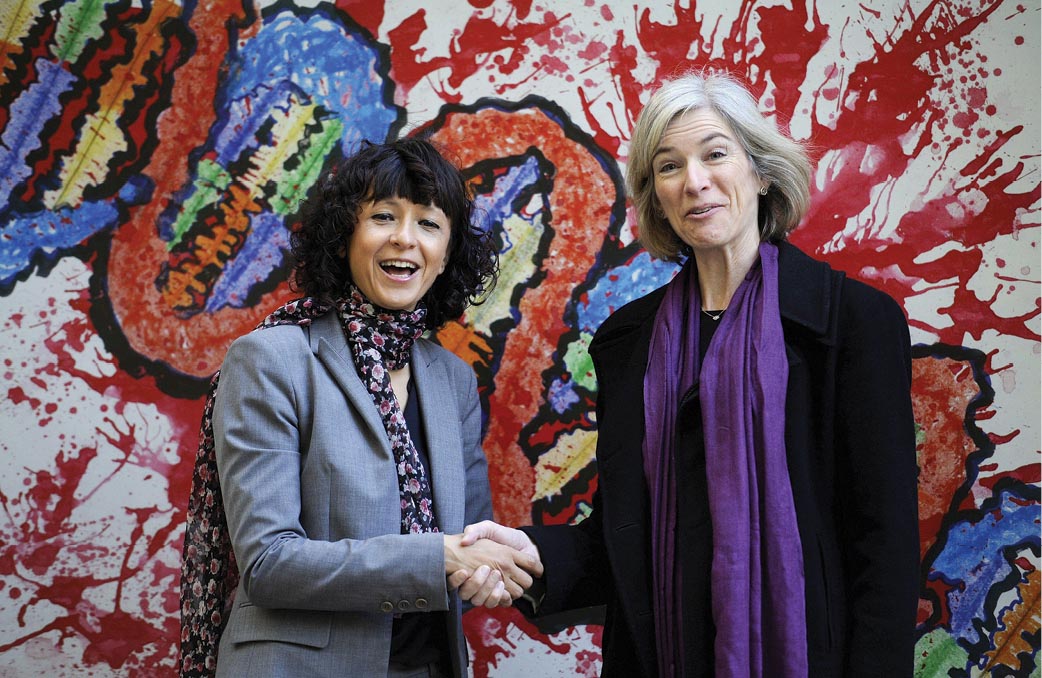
(257,431)
(574,563)
(877,484)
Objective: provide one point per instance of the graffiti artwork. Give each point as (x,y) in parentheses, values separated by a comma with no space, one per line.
(152,154)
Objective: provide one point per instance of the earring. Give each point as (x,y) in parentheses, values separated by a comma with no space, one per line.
(763,190)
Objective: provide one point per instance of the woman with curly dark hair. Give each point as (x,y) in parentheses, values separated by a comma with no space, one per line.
(349,447)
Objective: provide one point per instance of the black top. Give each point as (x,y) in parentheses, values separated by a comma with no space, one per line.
(694,546)
(419,638)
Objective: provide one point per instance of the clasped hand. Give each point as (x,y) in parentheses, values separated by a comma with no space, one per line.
(490,564)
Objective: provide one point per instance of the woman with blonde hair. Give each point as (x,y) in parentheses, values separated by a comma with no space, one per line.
(756,504)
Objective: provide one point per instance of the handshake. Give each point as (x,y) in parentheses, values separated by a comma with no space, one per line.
(490,564)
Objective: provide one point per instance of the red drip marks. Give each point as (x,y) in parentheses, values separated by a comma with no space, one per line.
(1030,474)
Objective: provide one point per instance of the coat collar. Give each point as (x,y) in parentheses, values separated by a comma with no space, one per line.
(805,294)
(805,298)
(329,345)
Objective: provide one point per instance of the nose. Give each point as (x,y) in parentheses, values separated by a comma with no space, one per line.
(696,179)
(404,235)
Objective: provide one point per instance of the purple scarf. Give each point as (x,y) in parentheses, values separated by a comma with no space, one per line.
(757,574)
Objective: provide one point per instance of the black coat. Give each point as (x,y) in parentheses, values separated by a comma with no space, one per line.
(850,444)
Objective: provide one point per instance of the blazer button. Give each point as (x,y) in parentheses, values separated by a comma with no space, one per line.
(421,603)
(386,606)
(404,605)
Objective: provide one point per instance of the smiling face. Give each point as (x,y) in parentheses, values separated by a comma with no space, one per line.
(706,184)
(397,250)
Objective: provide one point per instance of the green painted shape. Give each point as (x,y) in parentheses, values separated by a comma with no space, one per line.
(936,653)
(79,23)
(293,185)
(579,363)
(210,183)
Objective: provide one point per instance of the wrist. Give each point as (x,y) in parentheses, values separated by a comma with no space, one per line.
(450,549)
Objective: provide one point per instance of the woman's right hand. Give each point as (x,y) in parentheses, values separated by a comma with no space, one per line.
(489,573)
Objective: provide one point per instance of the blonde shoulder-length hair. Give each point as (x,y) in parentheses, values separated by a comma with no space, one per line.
(776,157)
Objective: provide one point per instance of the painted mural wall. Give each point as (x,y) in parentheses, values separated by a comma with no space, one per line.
(151,151)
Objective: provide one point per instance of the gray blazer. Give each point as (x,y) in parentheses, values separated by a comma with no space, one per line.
(311,495)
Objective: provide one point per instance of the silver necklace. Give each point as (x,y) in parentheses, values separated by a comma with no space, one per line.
(713,316)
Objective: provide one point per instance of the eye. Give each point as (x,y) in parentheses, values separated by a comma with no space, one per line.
(667,166)
(431,225)
(717,154)
(382,216)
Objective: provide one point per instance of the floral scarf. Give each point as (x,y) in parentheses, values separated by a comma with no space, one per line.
(381,340)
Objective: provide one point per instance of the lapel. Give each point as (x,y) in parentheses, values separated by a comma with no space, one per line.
(330,346)
(805,292)
(438,409)
(620,356)
(437,406)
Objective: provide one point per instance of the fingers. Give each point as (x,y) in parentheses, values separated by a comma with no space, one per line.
(476,531)
(530,562)
(484,588)
(492,591)
(457,578)
(491,565)
(507,561)
(498,595)
(508,536)
(490,573)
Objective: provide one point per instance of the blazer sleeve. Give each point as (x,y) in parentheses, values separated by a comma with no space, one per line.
(877,478)
(257,433)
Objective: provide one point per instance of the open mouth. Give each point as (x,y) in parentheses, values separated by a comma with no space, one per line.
(399,269)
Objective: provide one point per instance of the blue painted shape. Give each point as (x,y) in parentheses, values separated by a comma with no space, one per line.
(621,285)
(307,60)
(262,251)
(497,205)
(33,108)
(49,234)
(327,63)
(562,395)
(239,133)
(973,562)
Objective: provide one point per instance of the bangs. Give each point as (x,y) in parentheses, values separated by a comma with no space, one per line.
(392,179)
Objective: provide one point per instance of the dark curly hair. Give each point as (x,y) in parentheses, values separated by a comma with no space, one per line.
(412,169)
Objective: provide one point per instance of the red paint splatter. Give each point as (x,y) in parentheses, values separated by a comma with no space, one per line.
(485,629)
(1030,474)
(480,40)
(369,14)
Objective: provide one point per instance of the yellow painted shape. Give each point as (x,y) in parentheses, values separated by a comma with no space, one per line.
(15,20)
(573,452)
